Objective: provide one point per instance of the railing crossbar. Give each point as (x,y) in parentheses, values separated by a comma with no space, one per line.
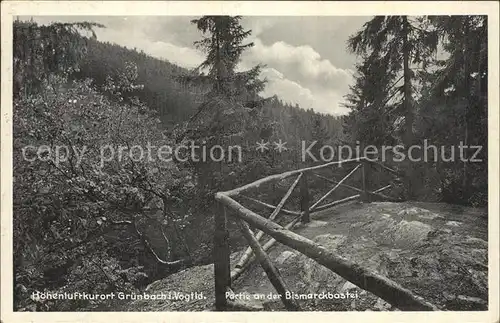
(266,264)
(311,209)
(335,182)
(269,206)
(337,202)
(238,271)
(376,193)
(285,197)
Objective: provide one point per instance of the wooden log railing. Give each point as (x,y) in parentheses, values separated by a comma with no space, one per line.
(381,286)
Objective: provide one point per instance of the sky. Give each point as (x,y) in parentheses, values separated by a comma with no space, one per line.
(306,59)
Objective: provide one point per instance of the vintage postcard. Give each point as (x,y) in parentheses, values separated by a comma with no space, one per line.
(209,161)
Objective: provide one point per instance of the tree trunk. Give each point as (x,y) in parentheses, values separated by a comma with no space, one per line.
(407,103)
(218,77)
(304,199)
(466,86)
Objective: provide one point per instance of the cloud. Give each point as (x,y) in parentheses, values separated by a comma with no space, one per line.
(288,90)
(301,64)
(298,74)
(326,34)
(309,81)
(258,24)
(328,102)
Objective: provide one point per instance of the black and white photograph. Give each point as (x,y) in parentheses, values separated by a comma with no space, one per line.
(250,162)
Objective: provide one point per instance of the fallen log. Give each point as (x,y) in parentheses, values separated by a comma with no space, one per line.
(368,280)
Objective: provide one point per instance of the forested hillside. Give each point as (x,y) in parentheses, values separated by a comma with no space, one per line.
(84,223)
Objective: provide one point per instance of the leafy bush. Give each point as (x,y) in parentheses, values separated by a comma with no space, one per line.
(64,203)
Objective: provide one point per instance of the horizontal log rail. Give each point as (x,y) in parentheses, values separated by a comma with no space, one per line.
(278,177)
(269,206)
(281,176)
(366,279)
(338,202)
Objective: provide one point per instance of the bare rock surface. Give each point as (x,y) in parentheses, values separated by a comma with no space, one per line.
(409,243)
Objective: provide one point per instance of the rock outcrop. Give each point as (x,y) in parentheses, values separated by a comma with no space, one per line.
(410,243)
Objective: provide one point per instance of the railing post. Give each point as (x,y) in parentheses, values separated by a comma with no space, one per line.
(222,271)
(365,197)
(304,199)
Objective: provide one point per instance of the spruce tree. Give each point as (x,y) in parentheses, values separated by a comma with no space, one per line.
(229,112)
